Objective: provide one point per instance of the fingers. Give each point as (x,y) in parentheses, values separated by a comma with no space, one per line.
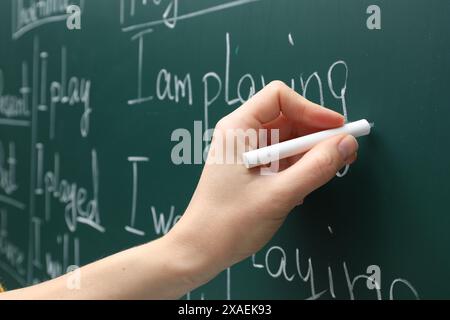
(318,166)
(289,129)
(277,98)
(286,130)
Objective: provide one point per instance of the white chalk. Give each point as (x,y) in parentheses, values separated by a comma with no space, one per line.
(300,145)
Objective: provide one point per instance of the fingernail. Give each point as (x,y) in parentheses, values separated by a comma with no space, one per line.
(347,147)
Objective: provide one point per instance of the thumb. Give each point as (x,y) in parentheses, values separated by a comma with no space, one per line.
(318,166)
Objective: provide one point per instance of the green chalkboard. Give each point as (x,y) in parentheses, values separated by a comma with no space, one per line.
(86,117)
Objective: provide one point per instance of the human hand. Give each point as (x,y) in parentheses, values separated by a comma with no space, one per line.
(234,211)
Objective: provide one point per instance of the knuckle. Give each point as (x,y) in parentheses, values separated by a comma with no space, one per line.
(277,85)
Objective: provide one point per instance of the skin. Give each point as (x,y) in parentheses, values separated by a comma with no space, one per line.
(233,213)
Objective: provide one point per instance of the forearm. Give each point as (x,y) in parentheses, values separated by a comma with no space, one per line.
(162,269)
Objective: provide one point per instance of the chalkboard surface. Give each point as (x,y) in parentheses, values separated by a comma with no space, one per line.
(86,118)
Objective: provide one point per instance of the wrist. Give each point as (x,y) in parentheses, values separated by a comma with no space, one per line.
(187,262)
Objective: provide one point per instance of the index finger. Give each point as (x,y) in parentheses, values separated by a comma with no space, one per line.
(276,99)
